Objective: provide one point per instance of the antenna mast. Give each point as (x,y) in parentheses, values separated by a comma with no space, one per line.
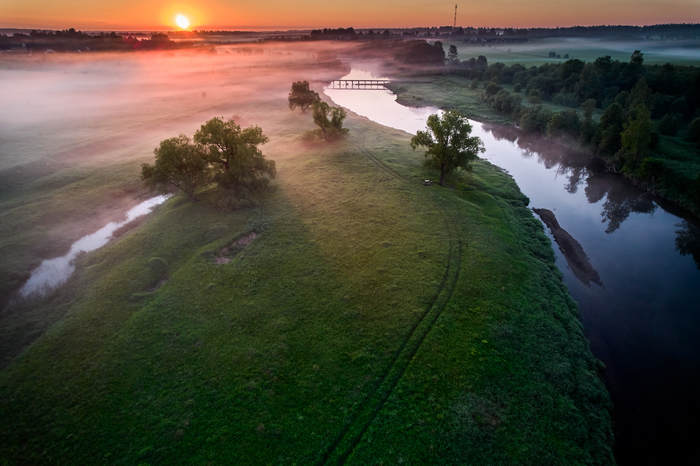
(454,23)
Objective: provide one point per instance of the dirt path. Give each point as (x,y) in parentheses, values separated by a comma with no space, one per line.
(351,434)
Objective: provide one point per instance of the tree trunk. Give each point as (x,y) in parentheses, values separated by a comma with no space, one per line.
(442,174)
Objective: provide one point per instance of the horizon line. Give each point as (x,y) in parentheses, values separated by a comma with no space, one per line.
(281,28)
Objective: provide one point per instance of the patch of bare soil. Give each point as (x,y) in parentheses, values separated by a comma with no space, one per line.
(227,253)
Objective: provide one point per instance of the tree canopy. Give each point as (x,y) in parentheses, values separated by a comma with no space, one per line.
(329,120)
(452,54)
(448,142)
(635,139)
(238,163)
(222,152)
(179,164)
(301,96)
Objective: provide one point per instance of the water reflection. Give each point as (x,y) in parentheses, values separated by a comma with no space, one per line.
(688,240)
(643,324)
(619,198)
(380,106)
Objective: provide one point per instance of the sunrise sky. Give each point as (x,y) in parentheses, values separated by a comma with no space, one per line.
(160,14)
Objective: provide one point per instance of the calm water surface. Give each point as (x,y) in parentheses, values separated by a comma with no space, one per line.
(644,321)
(53,273)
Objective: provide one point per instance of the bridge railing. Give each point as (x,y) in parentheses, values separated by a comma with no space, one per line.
(364,84)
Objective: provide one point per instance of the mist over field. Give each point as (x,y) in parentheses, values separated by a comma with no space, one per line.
(112,107)
(346,283)
(75,128)
(536,51)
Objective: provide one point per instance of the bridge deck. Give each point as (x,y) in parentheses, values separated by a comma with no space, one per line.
(365,84)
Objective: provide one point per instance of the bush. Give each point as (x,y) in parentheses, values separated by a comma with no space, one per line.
(566,99)
(301,96)
(492,89)
(179,165)
(504,102)
(694,131)
(534,96)
(566,122)
(329,121)
(233,153)
(669,124)
(651,169)
(534,119)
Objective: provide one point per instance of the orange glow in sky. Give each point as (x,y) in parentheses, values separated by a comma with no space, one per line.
(182,21)
(161,14)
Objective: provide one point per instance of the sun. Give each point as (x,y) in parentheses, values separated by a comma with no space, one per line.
(182,21)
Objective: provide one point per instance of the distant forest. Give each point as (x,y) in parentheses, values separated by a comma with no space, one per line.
(642,120)
(71,40)
(490,35)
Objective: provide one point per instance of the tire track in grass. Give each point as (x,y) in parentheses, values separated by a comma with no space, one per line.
(352,432)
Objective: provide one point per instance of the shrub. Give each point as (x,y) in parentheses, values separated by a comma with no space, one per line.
(329,121)
(179,165)
(301,96)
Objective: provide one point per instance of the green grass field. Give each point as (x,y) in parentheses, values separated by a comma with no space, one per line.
(371,320)
(455,92)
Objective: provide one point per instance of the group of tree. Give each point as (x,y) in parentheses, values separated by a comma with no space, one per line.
(640,104)
(447,139)
(221,153)
(333,34)
(329,119)
(672,88)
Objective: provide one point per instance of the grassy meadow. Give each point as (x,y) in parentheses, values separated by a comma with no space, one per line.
(456,92)
(371,319)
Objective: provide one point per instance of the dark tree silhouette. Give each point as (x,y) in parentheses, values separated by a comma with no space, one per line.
(329,121)
(301,96)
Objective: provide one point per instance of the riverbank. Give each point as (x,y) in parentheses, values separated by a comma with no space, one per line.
(676,173)
(364,317)
(647,257)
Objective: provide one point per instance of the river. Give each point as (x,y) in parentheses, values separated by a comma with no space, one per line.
(52,273)
(643,319)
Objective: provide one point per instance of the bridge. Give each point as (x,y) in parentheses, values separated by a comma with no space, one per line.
(364,84)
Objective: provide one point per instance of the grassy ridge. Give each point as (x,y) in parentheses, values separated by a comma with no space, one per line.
(334,334)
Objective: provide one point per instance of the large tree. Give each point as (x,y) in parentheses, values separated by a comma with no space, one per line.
(179,164)
(448,142)
(329,121)
(238,163)
(301,96)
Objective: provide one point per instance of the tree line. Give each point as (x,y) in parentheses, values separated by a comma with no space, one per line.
(72,40)
(638,104)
